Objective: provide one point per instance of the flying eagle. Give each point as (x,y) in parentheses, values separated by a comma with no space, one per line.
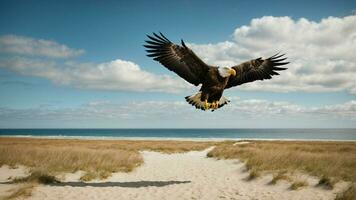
(214,79)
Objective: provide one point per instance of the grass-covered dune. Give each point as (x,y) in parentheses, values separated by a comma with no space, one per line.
(98,158)
(330,161)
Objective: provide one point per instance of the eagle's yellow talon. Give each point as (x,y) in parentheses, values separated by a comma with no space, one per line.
(206,105)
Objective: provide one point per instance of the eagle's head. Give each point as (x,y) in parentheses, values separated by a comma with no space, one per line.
(226,71)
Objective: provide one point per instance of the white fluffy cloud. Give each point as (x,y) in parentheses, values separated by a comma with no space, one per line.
(322,54)
(113,75)
(36,47)
(37,60)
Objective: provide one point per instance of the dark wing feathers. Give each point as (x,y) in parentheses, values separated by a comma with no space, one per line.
(179,59)
(190,67)
(257,69)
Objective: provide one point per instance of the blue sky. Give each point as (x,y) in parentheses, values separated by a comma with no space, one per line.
(69,63)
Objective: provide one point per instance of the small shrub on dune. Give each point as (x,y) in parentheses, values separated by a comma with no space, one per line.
(37,177)
(279,176)
(298,184)
(253,174)
(326,182)
(88,176)
(209,155)
(91,175)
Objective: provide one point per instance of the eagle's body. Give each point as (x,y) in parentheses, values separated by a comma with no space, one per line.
(213,86)
(214,79)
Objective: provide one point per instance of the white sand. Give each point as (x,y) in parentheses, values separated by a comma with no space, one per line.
(180,176)
(6,174)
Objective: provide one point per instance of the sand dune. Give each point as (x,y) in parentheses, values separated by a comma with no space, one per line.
(179,176)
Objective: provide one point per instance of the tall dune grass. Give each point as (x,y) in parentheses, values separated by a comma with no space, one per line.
(21,192)
(328,160)
(98,158)
(331,161)
(70,159)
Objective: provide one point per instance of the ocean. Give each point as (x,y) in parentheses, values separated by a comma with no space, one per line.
(188,134)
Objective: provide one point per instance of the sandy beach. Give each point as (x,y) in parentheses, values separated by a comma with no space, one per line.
(189,175)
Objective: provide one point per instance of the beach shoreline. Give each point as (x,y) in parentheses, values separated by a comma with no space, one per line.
(188,134)
(171,138)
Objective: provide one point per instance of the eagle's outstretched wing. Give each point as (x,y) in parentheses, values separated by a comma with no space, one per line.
(257,69)
(179,59)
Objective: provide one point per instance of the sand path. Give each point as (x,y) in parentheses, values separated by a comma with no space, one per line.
(180,176)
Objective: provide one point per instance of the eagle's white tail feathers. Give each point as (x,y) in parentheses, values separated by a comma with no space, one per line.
(195,101)
(223,101)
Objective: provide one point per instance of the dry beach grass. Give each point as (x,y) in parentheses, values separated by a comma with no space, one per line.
(330,161)
(22,191)
(98,158)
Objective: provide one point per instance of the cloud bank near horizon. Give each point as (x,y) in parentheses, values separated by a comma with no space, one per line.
(240,112)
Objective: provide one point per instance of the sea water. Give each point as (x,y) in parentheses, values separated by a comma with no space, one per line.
(188,134)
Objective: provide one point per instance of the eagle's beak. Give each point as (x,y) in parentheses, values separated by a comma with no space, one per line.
(232,72)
